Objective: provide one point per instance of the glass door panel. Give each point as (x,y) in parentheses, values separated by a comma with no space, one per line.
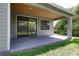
(22,25)
(32,27)
(26,27)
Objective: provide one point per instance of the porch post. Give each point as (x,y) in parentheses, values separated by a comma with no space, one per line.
(8,29)
(52,27)
(69,27)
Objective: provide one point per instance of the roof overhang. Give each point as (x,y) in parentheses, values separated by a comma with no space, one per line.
(47,10)
(54,7)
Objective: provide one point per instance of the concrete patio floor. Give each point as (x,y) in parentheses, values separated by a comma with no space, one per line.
(29,42)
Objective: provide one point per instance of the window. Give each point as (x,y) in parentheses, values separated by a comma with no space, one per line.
(45,25)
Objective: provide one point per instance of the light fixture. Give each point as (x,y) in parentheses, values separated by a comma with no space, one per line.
(30,8)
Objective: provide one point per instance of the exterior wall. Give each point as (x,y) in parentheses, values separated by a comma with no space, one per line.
(44,32)
(4,41)
(13,26)
(39,32)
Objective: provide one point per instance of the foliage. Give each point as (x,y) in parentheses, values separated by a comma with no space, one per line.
(77,10)
(61,26)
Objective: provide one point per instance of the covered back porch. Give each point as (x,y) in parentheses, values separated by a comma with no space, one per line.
(38,14)
(47,12)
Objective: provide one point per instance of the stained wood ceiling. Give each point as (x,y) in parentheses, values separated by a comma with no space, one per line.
(34,11)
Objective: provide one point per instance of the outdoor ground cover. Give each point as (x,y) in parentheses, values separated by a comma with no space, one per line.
(63,48)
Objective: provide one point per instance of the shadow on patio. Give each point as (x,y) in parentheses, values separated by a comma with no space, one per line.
(34,46)
(42,49)
(29,42)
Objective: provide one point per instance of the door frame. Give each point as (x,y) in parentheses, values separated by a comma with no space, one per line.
(28,17)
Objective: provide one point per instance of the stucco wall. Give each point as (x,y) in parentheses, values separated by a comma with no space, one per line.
(3,26)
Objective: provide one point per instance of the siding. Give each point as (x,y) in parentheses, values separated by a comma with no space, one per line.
(3,26)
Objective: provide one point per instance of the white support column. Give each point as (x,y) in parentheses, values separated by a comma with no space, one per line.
(69,29)
(8,25)
(52,27)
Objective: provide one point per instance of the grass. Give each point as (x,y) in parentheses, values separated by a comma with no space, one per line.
(58,49)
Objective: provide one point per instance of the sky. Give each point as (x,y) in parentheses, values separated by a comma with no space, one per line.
(67,5)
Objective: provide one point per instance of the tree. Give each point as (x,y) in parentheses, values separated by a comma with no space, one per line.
(77,10)
(61,25)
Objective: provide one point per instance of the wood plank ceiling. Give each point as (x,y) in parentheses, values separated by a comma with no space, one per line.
(34,11)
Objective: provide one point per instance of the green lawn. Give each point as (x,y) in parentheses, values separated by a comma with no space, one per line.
(57,49)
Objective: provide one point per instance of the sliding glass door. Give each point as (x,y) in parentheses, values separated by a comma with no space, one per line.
(32,27)
(26,26)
